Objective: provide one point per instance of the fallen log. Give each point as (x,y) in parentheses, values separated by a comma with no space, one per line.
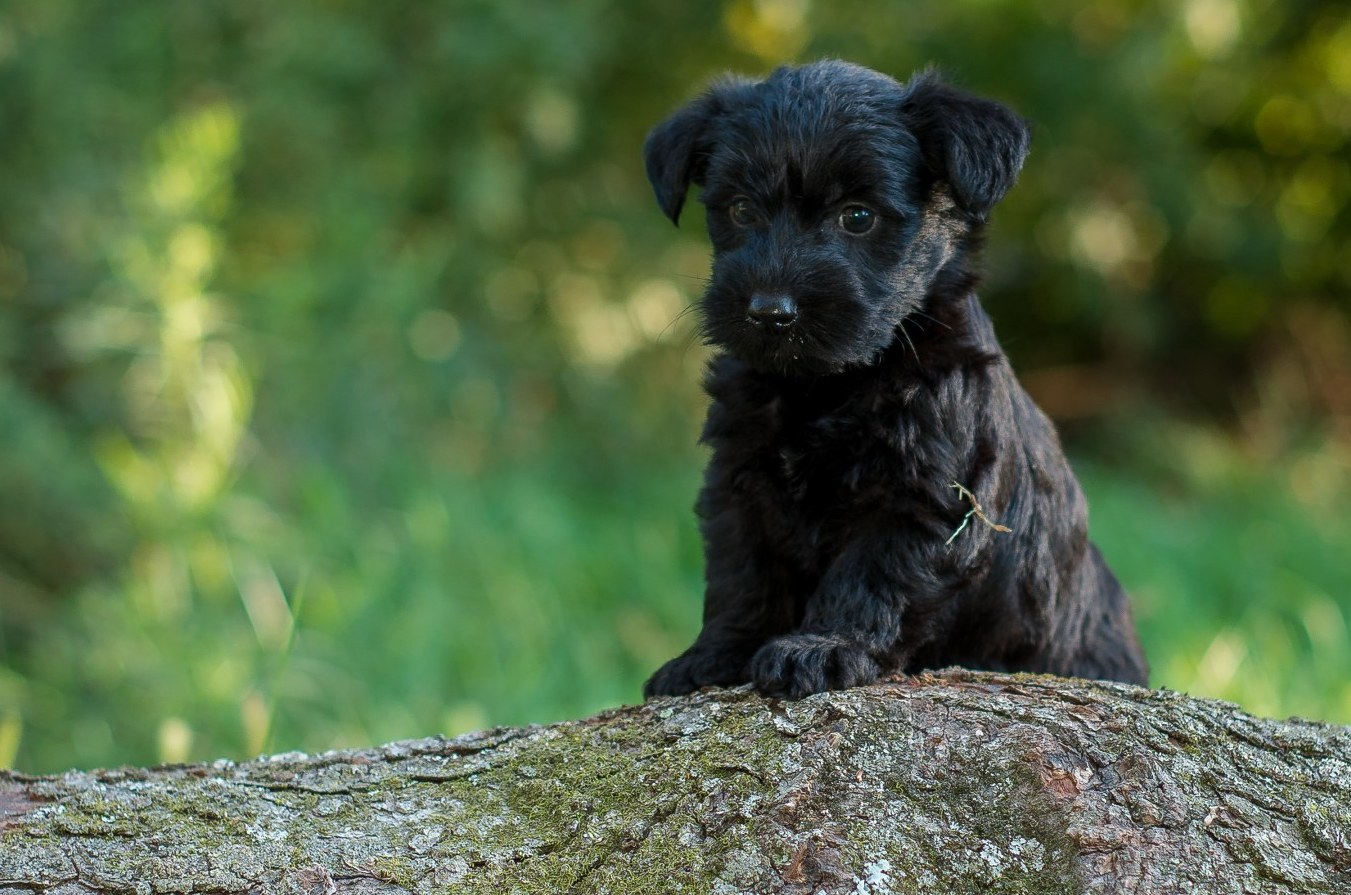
(954,782)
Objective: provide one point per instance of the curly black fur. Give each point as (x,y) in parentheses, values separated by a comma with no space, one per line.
(857,380)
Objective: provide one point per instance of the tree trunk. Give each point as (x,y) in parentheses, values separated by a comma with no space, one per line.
(950,783)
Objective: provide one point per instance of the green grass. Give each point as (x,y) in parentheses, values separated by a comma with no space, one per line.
(1239,571)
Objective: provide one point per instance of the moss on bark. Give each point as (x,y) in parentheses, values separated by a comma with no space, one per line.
(958,782)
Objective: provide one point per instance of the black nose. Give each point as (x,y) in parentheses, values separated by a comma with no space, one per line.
(776,311)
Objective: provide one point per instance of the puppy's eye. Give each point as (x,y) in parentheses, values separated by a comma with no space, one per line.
(857,220)
(743,213)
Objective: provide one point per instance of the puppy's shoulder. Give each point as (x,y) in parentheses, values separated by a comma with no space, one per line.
(744,402)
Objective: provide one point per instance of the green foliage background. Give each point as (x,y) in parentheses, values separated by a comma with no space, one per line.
(345,392)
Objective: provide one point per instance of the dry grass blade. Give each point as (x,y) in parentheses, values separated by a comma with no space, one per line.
(976,510)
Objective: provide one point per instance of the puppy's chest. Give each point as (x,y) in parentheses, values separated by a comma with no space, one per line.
(828,458)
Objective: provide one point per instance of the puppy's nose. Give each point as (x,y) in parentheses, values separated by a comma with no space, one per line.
(777,311)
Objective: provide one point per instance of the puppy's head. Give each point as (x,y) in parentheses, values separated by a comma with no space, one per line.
(835,196)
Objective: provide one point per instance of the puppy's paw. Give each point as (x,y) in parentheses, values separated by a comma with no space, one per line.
(694,669)
(801,664)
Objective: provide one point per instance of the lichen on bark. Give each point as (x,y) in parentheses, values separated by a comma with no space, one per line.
(957,782)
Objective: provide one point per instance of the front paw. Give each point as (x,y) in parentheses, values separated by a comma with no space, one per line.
(801,664)
(696,668)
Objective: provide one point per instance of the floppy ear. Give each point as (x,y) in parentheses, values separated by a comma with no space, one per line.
(977,145)
(677,150)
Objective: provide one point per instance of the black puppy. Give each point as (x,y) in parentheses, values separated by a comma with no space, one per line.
(883,496)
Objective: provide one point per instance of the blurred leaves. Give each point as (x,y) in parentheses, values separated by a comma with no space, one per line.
(347,391)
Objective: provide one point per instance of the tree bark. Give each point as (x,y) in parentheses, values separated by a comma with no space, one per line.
(957,782)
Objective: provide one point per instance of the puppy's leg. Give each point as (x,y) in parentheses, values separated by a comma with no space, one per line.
(718,657)
(1109,648)
(748,599)
(851,633)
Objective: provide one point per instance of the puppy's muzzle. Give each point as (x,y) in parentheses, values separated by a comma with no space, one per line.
(772,311)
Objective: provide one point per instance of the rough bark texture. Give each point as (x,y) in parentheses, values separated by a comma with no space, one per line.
(951,783)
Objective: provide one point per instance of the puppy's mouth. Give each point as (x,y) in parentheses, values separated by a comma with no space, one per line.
(773,332)
(777,338)
(819,322)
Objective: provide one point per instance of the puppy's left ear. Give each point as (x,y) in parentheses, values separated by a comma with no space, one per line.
(677,150)
(977,145)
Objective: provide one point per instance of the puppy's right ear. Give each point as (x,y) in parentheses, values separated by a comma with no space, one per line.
(677,150)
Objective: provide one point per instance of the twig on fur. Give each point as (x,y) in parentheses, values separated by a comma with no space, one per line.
(975,510)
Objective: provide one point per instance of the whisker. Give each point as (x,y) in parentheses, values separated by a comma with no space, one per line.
(702,334)
(920,313)
(906,334)
(683,313)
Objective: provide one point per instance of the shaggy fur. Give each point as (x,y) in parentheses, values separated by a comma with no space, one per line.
(857,380)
